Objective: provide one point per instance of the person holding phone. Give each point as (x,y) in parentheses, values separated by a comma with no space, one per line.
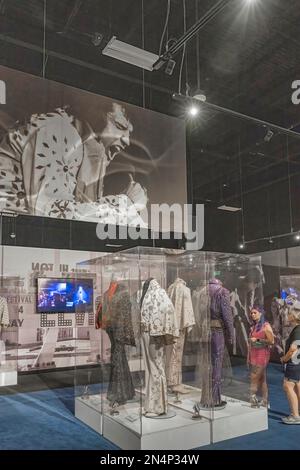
(261,339)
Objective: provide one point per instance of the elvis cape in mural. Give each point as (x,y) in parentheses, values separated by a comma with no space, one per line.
(70,154)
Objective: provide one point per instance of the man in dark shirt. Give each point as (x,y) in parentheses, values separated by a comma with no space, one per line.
(291,384)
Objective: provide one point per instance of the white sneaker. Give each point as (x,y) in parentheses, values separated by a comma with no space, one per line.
(291,419)
(254,401)
(264,404)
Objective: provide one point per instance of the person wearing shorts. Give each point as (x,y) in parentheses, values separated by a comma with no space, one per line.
(261,339)
(291,360)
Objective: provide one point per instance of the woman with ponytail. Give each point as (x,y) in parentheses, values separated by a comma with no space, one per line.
(261,339)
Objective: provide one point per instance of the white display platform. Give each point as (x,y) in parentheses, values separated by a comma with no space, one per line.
(8,376)
(238,419)
(130,431)
(235,420)
(177,433)
(88,410)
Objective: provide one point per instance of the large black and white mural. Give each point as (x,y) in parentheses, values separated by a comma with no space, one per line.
(70,154)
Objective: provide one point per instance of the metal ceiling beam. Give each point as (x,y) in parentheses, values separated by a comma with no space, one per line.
(265,185)
(256,189)
(2,7)
(251,174)
(236,114)
(191,32)
(82,63)
(274,42)
(73,14)
(233,161)
(246,151)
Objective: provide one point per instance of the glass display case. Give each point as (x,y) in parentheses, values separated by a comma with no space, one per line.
(89,378)
(167,366)
(11,288)
(243,279)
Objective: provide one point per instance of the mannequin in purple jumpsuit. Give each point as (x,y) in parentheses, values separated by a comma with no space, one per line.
(221,327)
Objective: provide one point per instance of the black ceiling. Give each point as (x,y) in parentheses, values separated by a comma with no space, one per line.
(248,57)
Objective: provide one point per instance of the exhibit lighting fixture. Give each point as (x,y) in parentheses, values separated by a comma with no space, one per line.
(189,100)
(241,246)
(229,208)
(297,236)
(193,111)
(97,38)
(149,61)
(215,10)
(200,96)
(130,54)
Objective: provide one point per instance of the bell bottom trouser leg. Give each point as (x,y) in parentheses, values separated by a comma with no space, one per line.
(156,398)
(174,355)
(120,387)
(217,356)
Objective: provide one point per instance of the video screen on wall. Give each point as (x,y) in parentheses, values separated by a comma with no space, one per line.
(290,286)
(64,295)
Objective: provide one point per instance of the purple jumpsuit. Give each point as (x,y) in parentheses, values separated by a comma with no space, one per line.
(220,310)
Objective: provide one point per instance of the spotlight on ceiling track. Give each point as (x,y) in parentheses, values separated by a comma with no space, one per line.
(242,246)
(200,96)
(193,111)
(269,135)
(170,66)
(271,241)
(97,39)
(297,236)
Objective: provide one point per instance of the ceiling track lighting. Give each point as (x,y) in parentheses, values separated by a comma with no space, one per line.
(190,33)
(189,101)
(193,111)
(271,239)
(97,38)
(269,135)
(242,244)
(200,96)
(224,207)
(130,54)
(150,61)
